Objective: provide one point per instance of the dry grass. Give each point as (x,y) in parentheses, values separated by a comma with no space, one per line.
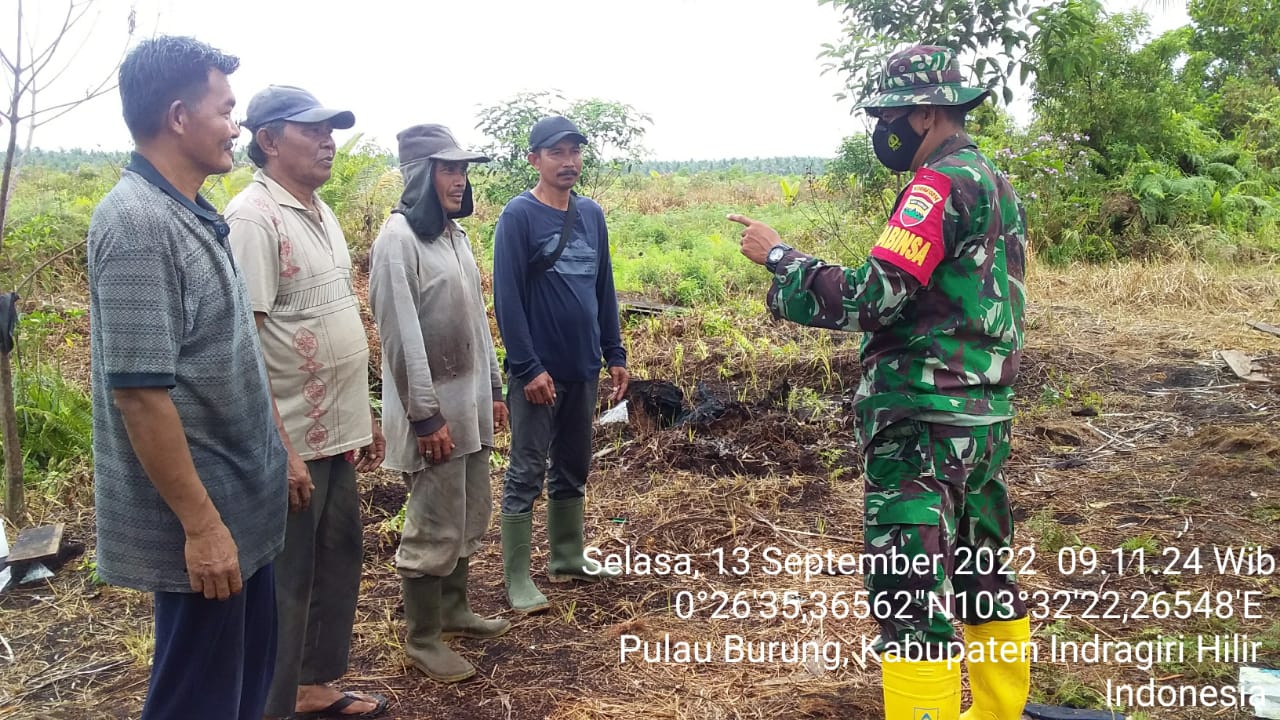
(1165,286)
(1130,432)
(1195,305)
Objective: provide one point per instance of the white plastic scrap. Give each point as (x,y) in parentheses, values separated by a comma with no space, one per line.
(616,414)
(1261,689)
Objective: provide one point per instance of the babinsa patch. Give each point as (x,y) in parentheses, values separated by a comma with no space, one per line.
(918,204)
(913,240)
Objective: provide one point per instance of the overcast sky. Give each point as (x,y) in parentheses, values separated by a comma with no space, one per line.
(720,78)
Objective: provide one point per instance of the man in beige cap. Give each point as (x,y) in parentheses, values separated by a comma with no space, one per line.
(441,394)
(295,264)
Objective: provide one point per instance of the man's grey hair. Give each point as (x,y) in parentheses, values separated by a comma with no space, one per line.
(274,128)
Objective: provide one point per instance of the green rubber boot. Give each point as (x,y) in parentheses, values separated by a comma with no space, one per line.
(425,648)
(564,533)
(517,539)
(456,617)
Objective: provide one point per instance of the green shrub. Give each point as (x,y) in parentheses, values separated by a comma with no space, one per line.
(55,423)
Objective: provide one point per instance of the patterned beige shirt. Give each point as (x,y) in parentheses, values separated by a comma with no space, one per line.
(297,268)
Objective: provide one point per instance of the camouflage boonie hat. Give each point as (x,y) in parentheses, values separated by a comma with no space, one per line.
(923,75)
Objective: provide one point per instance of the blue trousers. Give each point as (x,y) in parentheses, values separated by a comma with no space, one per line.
(214,658)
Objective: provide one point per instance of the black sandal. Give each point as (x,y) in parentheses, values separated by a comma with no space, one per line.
(347,700)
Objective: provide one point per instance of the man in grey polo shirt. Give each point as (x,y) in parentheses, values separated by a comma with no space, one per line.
(296,265)
(189,472)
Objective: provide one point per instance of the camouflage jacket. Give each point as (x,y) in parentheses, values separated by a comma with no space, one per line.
(940,299)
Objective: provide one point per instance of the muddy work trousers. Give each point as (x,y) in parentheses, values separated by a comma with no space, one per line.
(938,534)
(449,509)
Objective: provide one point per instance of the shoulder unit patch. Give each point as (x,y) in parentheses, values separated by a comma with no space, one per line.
(913,238)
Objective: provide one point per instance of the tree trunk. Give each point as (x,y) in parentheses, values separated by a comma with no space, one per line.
(14,492)
(26,148)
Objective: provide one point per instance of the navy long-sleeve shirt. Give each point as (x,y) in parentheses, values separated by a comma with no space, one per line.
(563,321)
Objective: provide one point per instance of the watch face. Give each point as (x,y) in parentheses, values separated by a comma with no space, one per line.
(775,254)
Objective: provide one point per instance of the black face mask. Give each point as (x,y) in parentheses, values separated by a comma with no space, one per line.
(895,144)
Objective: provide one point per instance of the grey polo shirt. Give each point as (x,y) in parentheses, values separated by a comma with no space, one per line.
(168,308)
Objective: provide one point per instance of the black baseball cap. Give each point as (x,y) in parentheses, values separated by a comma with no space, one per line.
(550,130)
(293,104)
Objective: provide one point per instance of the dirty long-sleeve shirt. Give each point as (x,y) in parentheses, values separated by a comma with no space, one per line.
(438,362)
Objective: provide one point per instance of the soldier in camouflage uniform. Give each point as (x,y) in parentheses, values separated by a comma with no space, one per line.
(940,302)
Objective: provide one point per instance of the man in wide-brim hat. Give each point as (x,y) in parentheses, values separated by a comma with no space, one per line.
(441,394)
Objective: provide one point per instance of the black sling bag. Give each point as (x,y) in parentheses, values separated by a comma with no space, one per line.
(570,216)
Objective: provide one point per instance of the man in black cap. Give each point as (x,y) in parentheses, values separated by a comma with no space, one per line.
(558,316)
(441,394)
(296,266)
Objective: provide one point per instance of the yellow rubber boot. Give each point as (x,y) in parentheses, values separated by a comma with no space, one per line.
(920,690)
(999,688)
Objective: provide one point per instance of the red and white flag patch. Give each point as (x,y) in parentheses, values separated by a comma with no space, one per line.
(912,240)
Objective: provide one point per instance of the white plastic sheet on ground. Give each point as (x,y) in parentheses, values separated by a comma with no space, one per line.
(616,414)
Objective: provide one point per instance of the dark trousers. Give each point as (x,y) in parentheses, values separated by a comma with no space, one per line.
(317,583)
(561,432)
(213,658)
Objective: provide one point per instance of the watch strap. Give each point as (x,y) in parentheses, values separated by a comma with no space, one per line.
(769,263)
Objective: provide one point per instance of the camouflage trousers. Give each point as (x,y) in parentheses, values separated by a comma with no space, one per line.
(938,533)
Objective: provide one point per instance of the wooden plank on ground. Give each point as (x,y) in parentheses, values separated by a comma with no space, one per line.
(639,307)
(1242,366)
(1264,327)
(36,544)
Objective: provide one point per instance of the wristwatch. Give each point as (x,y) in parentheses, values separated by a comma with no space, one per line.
(775,256)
